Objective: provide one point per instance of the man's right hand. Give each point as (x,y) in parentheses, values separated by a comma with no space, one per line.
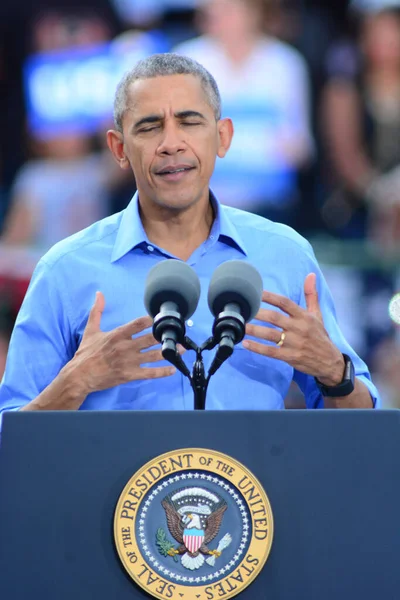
(103,360)
(107,359)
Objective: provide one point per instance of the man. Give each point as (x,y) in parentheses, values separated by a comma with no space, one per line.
(67,353)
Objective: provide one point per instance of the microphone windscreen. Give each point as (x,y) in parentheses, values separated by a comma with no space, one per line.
(236,281)
(172,280)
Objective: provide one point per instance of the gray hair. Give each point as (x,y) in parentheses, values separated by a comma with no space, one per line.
(158,65)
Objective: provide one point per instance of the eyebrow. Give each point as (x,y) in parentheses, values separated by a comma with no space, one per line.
(186,114)
(183,114)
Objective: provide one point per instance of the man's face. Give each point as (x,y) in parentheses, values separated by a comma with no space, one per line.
(171,139)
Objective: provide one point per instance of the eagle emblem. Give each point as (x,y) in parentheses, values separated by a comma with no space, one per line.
(194,517)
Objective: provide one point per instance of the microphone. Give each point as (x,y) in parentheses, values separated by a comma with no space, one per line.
(172,292)
(234,298)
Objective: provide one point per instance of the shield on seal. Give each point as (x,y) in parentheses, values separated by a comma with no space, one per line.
(193,539)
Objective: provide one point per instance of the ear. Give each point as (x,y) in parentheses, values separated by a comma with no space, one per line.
(115,141)
(225,133)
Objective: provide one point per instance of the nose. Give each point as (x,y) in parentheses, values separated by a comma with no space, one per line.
(172,141)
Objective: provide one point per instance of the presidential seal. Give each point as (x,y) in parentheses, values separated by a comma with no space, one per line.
(193,524)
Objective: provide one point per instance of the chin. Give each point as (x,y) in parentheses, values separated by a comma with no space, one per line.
(177,204)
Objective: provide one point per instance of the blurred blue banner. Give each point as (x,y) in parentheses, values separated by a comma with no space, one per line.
(73,90)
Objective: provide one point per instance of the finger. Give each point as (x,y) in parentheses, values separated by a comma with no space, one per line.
(264,333)
(142,342)
(148,340)
(271,351)
(155,355)
(311,294)
(156,372)
(135,326)
(274,318)
(285,304)
(93,322)
(150,356)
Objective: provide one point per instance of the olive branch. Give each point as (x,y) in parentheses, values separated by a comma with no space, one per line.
(164,545)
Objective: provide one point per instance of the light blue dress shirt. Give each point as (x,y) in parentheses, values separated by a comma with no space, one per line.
(114,256)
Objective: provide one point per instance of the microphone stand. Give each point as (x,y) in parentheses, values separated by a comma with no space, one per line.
(169,329)
(228,330)
(198,379)
(199,382)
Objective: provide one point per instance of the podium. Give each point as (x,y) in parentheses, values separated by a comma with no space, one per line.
(332,478)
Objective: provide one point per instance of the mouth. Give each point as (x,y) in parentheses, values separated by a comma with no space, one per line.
(174,173)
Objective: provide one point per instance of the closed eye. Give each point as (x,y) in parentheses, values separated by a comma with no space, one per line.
(191,124)
(147,129)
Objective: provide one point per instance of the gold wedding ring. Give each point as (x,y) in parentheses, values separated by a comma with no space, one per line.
(283,335)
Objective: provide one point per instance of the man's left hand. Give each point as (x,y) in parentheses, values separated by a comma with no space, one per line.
(305,343)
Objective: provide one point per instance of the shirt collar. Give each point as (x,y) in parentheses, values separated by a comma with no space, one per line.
(223,227)
(131,233)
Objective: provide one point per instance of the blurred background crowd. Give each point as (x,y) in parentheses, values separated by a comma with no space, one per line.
(313,89)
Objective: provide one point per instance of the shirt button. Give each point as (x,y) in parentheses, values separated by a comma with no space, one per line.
(150,248)
(189,323)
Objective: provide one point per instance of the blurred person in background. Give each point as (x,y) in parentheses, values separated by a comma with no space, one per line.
(265,86)
(56,29)
(146,14)
(361,127)
(56,194)
(66,185)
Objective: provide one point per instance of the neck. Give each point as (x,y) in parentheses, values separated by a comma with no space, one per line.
(179,232)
